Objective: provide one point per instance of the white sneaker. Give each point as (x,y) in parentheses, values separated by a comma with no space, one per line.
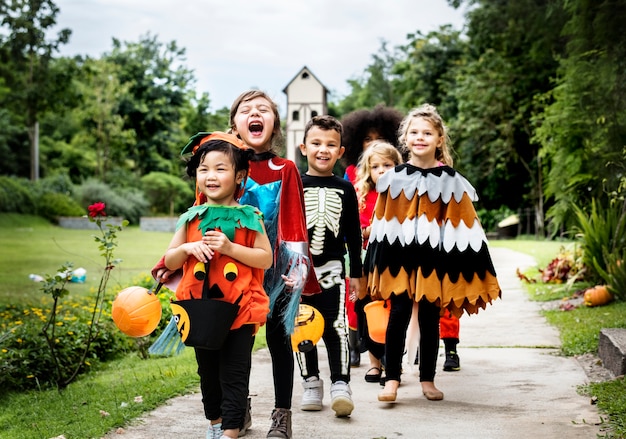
(313,394)
(341,399)
(214,431)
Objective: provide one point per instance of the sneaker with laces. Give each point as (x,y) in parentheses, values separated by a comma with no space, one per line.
(281,424)
(452,363)
(247,420)
(313,394)
(341,399)
(214,431)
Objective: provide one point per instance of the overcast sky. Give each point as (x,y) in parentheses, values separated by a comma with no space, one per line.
(234,45)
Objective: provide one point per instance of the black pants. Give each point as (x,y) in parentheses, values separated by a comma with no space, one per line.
(428,320)
(279,345)
(224,376)
(331,304)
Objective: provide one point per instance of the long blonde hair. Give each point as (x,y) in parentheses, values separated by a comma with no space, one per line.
(364,183)
(428,112)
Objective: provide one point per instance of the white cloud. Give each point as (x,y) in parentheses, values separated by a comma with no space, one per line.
(233,45)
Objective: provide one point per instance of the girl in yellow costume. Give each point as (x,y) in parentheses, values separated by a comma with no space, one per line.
(426,245)
(223,250)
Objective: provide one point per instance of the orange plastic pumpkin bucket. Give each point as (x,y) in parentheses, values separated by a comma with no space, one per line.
(377,315)
(308,330)
(136,311)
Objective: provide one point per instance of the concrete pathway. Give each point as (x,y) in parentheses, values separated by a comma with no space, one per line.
(512,385)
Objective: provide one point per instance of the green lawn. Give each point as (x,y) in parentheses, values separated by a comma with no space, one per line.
(32,245)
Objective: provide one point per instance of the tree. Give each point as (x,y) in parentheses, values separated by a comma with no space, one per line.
(426,73)
(512,48)
(26,59)
(374,87)
(582,130)
(105,134)
(158,89)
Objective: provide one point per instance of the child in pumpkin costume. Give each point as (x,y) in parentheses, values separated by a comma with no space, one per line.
(223,250)
(426,245)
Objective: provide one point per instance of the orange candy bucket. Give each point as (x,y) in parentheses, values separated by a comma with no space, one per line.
(377,315)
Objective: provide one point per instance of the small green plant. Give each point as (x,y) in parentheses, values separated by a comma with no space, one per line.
(55,286)
(602,234)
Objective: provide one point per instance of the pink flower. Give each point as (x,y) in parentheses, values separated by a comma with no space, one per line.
(97,209)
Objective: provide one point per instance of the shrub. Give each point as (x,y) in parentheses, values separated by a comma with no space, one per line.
(164,190)
(17,195)
(602,233)
(52,205)
(25,359)
(130,204)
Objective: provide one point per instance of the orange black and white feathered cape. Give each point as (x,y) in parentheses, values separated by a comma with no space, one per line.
(426,240)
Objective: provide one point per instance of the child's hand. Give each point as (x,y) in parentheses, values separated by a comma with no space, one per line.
(289,281)
(217,241)
(355,288)
(198,249)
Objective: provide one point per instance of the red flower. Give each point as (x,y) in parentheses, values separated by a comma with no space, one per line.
(97,209)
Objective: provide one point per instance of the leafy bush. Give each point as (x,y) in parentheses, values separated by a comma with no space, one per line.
(25,359)
(490,218)
(165,190)
(17,195)
(602,233)
(52,205)
(130,204)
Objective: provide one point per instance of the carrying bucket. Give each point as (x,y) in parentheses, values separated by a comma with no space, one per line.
(377,315)
(309,328)
(204,323)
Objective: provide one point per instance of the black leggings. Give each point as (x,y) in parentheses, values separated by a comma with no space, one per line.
(399,317)
(279,345)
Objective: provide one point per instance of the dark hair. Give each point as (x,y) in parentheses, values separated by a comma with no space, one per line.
(238,156)
(326,123)
(385,120)
(246,96)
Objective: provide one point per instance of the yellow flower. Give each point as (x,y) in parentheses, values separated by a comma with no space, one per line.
(19,340)
(4,351)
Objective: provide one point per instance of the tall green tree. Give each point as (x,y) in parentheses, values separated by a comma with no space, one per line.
(426,72)
(103,136)
(158,89)
(583,128)
(375,86)
(26,55)
(512,59)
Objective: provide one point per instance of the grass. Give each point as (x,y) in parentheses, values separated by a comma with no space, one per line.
(31,245)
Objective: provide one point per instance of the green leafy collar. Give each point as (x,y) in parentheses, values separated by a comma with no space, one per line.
(224,218)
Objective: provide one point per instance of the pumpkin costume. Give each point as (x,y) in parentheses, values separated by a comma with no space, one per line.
(223,277)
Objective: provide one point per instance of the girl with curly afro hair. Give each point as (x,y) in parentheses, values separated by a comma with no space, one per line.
(362,127)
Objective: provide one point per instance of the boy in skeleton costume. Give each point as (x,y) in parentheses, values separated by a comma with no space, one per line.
(333,223)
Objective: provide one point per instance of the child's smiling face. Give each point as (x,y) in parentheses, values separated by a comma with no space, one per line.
(322,150)
(254,123)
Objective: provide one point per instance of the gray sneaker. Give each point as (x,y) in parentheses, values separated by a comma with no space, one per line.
(341,399)
(313,394)
(281,424)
